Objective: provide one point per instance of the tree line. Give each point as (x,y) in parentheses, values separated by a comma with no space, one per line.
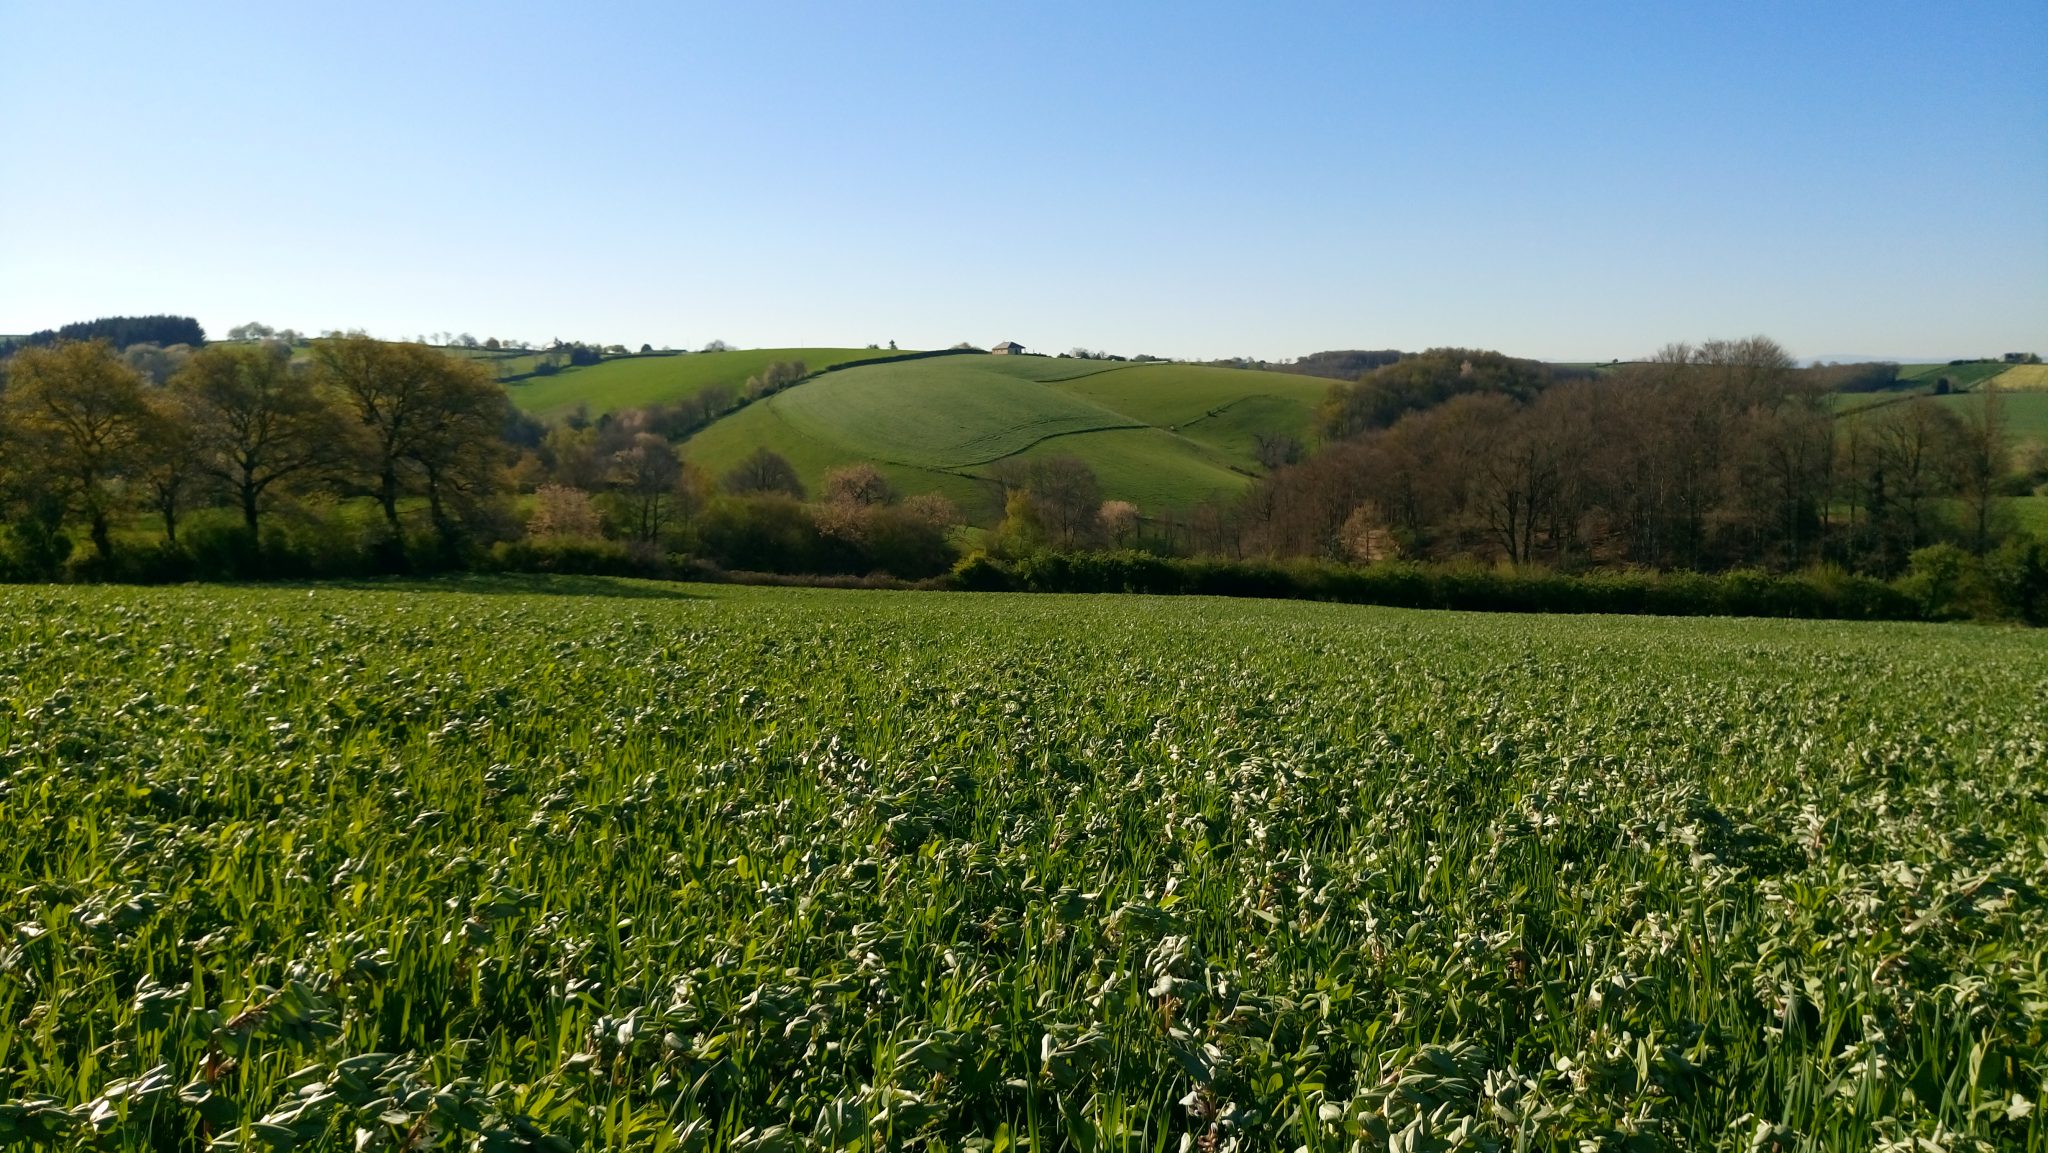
(120,331)
(345,454)
(87,437)
(1706,457)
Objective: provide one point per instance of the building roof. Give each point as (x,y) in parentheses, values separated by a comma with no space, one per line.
(1009,344)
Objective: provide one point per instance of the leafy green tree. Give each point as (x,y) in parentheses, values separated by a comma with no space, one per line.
(429,421)
(255,425)
(764,470)
(78,416)
(165,463)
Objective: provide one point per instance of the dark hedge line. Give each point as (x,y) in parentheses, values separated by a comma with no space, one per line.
(1824,593)
(1943,582)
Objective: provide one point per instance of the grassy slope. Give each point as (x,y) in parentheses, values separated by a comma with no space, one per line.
(631,382)
(1959,375)
(2030,513)
(1159,434)
(2026,413)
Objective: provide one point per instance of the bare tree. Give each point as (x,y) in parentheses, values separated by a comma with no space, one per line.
(1983,459)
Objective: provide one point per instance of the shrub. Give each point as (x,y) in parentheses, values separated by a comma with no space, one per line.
(576,557)
(1825,593)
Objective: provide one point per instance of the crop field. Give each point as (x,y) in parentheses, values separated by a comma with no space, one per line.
(2024,378)
(1959,375)
(1164,435)
(506,865)
(637,381)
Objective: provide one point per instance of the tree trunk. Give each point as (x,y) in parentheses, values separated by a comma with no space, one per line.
(102,538)
(249,508)
(387,496)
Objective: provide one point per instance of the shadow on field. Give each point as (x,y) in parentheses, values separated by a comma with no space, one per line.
(514,584)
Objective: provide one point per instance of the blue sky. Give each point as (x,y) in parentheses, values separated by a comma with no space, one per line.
(1182,179)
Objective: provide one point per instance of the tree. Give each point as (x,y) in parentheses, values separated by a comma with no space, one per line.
(764,471)
(165,461)
(709,403)
(78,416)
(644,475)
(1911,463)
(457,454)
(1983,458)
(1278,450)
(429,421)
(156,363)
(122,331)
(1063,499)
(859,484)
(1425,380)
(1119,519)
(256,425)
(562,512)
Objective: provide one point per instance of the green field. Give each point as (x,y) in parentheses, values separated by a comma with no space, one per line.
(1162,435)
(562,865)
(2026,413)
(1959,375)
(637,381)
(2030,514)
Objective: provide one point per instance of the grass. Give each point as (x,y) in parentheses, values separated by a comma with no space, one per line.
(1160,434)
(2030,514)
(637,381)
(552,865)
(2026,413)
(1959,375)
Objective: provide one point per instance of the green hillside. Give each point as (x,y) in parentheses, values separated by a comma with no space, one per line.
(2026,413)
(1958,375)
(1162,435)
(636,381)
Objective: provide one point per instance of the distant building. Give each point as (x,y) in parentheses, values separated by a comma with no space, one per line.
(1008,348)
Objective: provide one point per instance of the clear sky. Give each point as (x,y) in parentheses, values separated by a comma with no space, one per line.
(1182,179)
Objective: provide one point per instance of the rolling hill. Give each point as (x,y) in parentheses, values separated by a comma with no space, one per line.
(1961,376)
(636,381)
(1162,435)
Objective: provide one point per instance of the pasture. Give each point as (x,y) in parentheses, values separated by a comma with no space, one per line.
(2026,413)
(1163,435)
(638,381)
(521,864)
(1959,376)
